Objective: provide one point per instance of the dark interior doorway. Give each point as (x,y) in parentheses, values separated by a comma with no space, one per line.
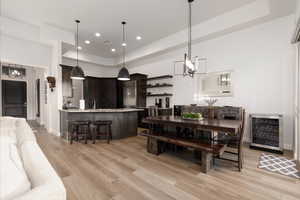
(14,98)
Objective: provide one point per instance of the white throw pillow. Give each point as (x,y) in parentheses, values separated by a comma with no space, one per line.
(13,178)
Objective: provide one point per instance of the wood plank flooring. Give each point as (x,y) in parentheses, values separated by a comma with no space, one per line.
(123,170)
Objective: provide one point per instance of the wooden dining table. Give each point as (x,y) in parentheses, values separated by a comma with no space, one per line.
(227,126)
(213,125)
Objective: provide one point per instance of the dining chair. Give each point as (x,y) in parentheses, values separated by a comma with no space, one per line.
(235,142)
(153,111)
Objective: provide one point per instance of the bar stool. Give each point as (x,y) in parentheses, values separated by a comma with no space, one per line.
(80,129)
(96,127)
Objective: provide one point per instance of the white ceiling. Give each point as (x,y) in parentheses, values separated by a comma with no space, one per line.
(151,19)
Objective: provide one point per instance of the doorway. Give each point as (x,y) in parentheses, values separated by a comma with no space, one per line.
(14,98)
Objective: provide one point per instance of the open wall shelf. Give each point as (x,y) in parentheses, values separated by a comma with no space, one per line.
(159,86)
(159,77)
(159,95)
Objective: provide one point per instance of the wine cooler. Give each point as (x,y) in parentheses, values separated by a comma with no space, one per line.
(267,132)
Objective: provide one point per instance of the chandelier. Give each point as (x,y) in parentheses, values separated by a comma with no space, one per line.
(190,66)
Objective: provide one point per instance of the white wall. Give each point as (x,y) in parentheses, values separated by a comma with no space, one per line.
(297,92)
(40,74)
(24,52)
(29,53)
(94,70)
(297,10)
(263,62)
(38,46)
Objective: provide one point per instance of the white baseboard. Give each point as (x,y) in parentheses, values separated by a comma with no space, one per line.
(288,147)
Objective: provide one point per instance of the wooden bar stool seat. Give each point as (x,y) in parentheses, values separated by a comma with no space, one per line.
(97,125)
(80,129)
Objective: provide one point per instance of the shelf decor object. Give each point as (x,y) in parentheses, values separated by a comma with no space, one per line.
(210,101)
(267,132)
(123,73)
(77,73)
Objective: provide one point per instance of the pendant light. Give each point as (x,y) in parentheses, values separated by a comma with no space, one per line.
(77,72)
(123,73)
(190,67)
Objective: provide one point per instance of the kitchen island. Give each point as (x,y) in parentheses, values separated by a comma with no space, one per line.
(124,121)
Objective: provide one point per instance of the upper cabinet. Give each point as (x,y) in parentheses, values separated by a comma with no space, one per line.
(101,91)
(67,86)
(218,84)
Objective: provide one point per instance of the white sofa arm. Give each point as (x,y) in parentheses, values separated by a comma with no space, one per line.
(45,183)
(50,191)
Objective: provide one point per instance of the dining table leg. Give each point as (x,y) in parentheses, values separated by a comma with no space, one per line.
(206,161)
(153,146)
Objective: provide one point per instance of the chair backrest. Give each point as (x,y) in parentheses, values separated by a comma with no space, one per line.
(242,129)
(225,112)
(230,113)
(153,111)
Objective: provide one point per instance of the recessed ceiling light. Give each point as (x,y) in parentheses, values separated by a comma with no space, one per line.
(138,37)
(113,50)
(124,44)
(87,42)
(97,34)
(79,47)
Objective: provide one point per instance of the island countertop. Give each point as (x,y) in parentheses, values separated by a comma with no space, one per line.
(114,110)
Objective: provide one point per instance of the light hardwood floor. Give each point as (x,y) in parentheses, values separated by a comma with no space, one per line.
(123,170)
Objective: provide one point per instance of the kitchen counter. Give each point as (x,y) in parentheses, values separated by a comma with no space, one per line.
(115,110)
(124,120)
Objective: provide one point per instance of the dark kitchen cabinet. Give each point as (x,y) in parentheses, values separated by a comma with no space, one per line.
(120,103)
(141,82)
(103,91)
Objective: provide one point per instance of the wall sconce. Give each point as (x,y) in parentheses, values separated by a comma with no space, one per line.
(52,82)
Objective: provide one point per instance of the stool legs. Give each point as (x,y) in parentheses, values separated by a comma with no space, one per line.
(108,133)
(96,131)
(71,138)
(73,134)
(86,138)
(80,128)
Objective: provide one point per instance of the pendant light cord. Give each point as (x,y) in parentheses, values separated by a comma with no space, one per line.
(190,31)
(77,35)
(124,46)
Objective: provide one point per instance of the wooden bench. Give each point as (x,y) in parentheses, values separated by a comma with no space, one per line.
(207,150)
